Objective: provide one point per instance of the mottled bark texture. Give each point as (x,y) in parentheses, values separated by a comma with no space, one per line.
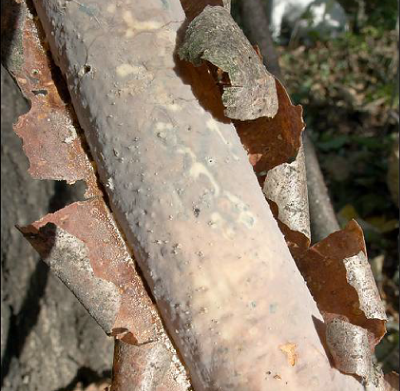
(185,194)
(48,340)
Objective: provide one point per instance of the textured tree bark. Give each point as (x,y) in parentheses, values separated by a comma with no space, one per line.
(182,189)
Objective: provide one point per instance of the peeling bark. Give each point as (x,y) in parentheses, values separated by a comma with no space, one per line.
(205,243)
(87,253)
(214,36)
(93,262)
(322,216)
(146,367)
(285,187)
(68,259)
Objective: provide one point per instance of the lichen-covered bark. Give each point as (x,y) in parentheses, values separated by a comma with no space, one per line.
(182,188)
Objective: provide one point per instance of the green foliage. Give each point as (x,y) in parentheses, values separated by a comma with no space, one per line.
(382,13)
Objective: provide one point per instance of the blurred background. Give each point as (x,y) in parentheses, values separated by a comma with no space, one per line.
(339,60)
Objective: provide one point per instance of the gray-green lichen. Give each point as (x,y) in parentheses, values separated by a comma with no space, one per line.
(215,37)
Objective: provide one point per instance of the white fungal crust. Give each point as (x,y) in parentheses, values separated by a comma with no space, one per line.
(182,189)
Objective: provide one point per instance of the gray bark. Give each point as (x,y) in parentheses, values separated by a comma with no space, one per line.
(256,22)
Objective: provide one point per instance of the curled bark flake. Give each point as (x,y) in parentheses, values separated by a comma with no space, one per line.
(349,347)
(286,187)
(341,281)
(68,259)
(84,248)
(215,37)
(271,142)
(91,223)
(148,367)
(359,275)
(49,131)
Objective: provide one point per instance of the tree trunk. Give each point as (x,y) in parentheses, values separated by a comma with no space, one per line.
(182,189)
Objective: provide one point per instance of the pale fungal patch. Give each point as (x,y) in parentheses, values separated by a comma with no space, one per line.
(110,183)
(213,126)
(198,169)
(168,35)
(124,70)
(69,139)
(139,79)
(245,216)
(72,134)
(174,107)
(163,126)
(137,25)
(111,8)
(215,220)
